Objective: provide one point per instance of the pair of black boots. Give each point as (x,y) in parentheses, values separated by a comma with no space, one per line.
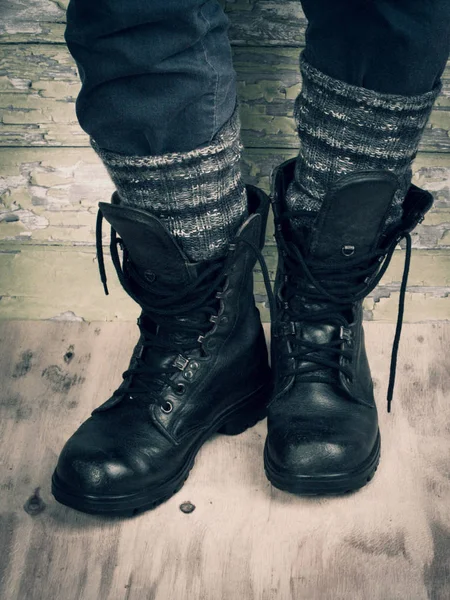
(201,365)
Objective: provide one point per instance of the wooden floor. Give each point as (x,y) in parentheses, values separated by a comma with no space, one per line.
(244,540)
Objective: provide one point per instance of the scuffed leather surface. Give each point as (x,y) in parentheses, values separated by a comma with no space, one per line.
(316,429)
(133,444)
(321,428)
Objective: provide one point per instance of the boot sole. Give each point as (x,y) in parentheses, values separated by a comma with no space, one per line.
(333,484)
(234,422)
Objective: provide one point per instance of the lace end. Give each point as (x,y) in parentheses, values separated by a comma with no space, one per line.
(390,392)
(398,330)
(100,258)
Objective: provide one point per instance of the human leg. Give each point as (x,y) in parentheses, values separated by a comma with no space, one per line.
(341,207)
(190,233)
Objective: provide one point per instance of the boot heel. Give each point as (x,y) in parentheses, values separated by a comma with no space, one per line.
(255,410)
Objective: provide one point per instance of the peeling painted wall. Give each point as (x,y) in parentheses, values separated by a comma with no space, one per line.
(51,181)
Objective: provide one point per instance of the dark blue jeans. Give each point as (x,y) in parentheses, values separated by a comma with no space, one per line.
(157,75)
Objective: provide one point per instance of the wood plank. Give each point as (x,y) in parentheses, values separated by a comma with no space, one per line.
(36,21)
(16,12)
(39,85)
(44,282)
(36,32)
(245,539)
(51,196)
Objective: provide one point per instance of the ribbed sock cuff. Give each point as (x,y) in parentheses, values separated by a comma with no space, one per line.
(198,195)
(345,128)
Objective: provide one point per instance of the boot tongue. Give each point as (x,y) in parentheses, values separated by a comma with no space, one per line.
(152,250)
(348,226)
(352,217)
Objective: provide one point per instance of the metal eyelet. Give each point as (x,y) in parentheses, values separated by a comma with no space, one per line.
(180,389)
(348,250)
(193,365)
(167,407)
(188,374)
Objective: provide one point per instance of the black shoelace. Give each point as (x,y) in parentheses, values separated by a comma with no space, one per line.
(184,315)
(188,312)
(192,309)
(334,289)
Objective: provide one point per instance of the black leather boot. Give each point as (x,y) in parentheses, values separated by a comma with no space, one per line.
(323,435)
(200,366)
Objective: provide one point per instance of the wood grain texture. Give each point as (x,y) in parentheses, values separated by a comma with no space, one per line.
(244,540)
(39,85)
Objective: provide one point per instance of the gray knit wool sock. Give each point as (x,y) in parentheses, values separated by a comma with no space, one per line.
(198,195)
(345,128)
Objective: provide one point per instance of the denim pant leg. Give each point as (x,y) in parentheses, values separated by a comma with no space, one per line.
(157,75)
(389,46)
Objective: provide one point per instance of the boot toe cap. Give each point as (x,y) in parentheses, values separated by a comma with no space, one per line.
(299,453)
(103,461)
(324,434)
(91,471)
